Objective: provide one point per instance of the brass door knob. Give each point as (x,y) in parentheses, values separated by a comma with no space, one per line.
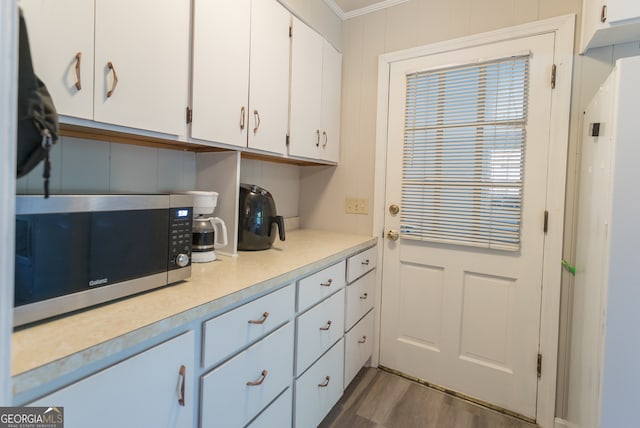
(393,235)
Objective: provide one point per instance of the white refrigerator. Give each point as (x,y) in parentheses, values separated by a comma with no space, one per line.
(604,377)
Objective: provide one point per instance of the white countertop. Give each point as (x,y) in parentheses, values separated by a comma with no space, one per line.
(45,351)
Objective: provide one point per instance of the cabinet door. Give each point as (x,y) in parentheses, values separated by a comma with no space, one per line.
(269,76)
(306,91)
(320,388)
(618,10)
(220,85)
(358,347)
(147,42)
(139,392)
(331,96)
(61,43)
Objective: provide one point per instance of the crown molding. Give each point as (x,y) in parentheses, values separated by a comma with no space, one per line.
(362,11)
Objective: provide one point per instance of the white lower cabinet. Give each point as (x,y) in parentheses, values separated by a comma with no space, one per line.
(319,388)
(278,414)
(235,392)
(358,347)
(142,391)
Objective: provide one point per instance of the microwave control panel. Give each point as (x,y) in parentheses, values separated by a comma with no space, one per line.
(180,237)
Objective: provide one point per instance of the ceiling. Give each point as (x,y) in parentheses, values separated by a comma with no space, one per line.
(350,8)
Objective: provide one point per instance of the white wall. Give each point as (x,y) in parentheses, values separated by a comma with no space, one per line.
(8,95)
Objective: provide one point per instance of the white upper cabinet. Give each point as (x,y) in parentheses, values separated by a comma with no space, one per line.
(269,76)
(316,76)
(331,97)
(142,64)
(61,42)
(240,86)
(220,85)
(608,22)
(78,51)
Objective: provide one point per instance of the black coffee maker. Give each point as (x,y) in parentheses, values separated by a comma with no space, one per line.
(257,219)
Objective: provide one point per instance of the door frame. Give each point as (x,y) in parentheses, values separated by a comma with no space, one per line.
(563,27)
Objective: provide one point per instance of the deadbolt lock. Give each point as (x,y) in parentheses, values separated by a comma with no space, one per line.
(394,209)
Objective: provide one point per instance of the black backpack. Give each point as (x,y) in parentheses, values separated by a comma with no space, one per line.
(37,116)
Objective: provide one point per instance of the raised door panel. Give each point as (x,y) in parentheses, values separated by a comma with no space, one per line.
(318,329)
(229,332)
(61,43)
(331,97)
(306,91)
(220,85)
(229,400)
(358,347)
(269,76)
(320,388)
(147,43)
(139,392)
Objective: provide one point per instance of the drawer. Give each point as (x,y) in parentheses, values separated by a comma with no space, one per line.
(360,299)
(318,329)
(320,388)
(278,415)
(227,399)
(358,347)
(321,284)
(232,331)
(361,263)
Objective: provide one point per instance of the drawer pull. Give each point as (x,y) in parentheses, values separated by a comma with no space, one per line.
(261,320)
(263,376)
(364,296)
(364,339)
(328,283)
(326,327)
(325,383)
(366,262)
(182,375)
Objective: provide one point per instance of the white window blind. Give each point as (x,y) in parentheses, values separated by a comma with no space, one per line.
(463,158)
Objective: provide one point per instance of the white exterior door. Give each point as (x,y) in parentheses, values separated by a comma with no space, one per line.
(458,315)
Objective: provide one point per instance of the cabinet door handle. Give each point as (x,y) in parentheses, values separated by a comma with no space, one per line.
(603,14)
(325,383)
(366,262)
(317,138)
(78,85)
(263,376)
(326,327)
(364,296)
(256,117)
(242,111)
(364,339)
(326,138)
(182,376)
(115,78)
(328,283)
(261,320)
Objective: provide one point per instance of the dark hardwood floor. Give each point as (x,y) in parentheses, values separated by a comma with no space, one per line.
(377,399)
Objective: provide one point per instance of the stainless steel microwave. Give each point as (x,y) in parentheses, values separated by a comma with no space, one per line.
(75,251)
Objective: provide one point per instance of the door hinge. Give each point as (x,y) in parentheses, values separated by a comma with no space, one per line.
(290,31)
(189,114)
(545,227)
(553,76)
(539,365)
(286,139)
